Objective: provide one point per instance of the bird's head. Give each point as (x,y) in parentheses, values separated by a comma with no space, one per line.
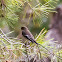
(23,28)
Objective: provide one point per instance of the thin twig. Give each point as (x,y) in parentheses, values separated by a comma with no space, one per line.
(39,51)
(40,33)
(50,52)
(6,36)
(26,52)
(6,39)
(4,44)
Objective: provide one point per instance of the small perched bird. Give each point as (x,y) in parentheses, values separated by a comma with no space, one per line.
(27,34)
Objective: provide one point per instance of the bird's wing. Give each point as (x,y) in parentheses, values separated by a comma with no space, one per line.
(28,37)
(31,39)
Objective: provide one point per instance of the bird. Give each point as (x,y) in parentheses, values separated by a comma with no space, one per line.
(27,34)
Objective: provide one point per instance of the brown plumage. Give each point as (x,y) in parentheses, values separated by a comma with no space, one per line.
(27,34)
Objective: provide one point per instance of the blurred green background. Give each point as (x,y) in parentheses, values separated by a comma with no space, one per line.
(35,14)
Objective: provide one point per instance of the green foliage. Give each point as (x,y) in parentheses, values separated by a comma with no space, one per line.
(11,12)
(13,49)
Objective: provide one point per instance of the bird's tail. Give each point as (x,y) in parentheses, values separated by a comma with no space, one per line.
(35,42)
